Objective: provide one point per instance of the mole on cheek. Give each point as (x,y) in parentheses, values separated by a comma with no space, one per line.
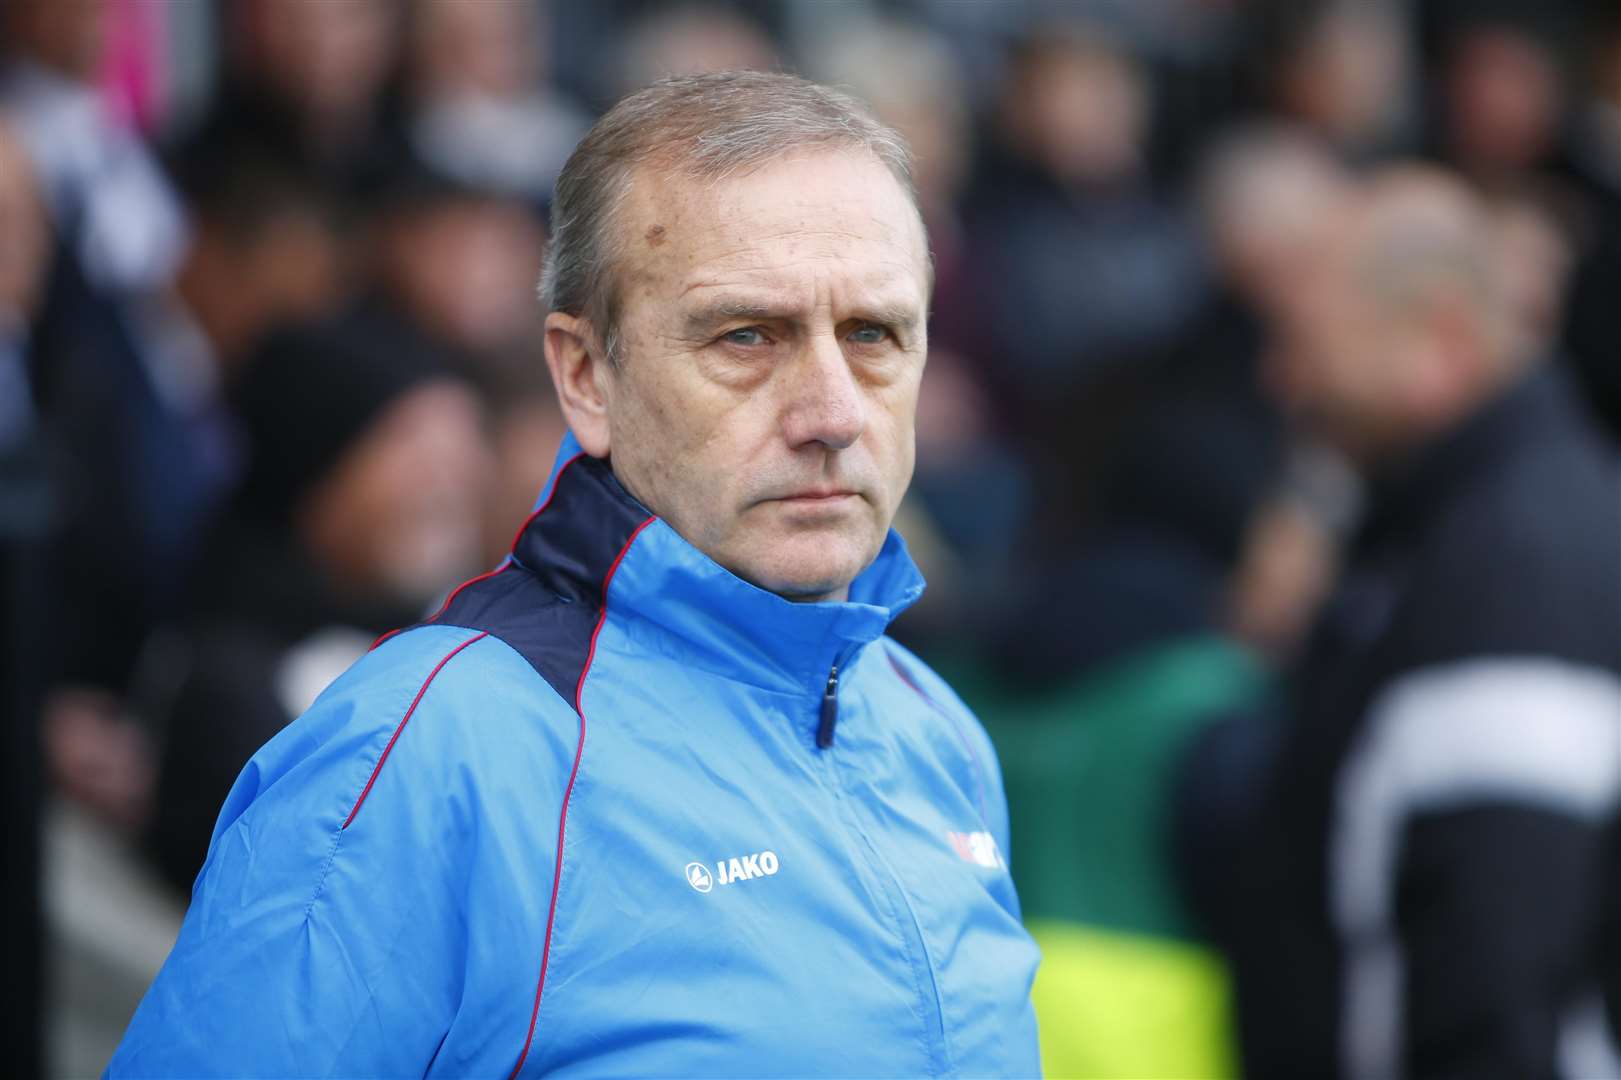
(655,235)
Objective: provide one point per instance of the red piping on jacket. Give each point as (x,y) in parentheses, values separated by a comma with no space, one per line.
(505,563)
(372,779)
(956,726)
(562,819)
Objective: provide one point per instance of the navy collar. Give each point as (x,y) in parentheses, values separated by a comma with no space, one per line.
(589,533)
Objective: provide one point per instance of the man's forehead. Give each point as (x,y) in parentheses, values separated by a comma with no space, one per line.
(755,223)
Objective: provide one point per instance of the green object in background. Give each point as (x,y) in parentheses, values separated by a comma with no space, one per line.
(1124,988)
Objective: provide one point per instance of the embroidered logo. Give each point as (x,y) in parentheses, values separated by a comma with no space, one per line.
(731,871)
(978,848)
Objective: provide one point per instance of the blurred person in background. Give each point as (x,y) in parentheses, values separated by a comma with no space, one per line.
(303,83)
(1339,71)
(1511,117)
(137,428)
(691,39)
(479,103)
(264,252)
(23,266)
(1595,132)
(1411,866)
(1592,332)
(525,429)
(25,530)
(361,505)
(1087,274)
(1262,194)
(1501,102)
(453,261)
(1206,445)
(452,264)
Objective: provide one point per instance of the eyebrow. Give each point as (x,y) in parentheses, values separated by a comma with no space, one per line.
(722,311)
(897,314)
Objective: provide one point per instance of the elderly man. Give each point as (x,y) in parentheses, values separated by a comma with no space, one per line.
(1419,874)
(657,795)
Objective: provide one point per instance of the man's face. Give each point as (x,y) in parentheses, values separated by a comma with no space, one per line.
(1343,359)
(398,516)
(773,337)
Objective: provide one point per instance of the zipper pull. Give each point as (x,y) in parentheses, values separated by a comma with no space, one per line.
(830,710)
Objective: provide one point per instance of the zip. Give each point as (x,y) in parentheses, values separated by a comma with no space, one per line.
(830,710)
(901,915)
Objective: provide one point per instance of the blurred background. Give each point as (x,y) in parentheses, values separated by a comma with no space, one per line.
(271,384)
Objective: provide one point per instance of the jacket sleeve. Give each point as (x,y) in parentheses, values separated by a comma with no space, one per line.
(327,932)
(1468,865)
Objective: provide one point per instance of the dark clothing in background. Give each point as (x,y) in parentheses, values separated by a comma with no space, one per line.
(1593,328)
(244,120)
(1078,282)
(25,533)
(142,469)
(1412,867)
(1590,165)
(141,446)
(1084,295)
(266,629)
(1175,494)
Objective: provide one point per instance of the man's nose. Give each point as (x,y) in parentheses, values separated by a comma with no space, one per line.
(826,404)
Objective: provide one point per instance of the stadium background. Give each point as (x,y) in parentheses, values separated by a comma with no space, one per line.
(1124,530)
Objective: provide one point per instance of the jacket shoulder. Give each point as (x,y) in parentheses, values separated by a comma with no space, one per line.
(966,731)
(436,698)
(405,795)
(926,681)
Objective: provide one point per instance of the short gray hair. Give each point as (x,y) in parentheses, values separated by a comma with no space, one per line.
(713,126)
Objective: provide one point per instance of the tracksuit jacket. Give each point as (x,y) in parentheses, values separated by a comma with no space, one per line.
(612,812)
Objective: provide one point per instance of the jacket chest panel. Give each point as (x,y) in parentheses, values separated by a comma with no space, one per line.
(729,891)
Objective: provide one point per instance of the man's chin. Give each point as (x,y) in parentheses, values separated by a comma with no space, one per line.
(819,574)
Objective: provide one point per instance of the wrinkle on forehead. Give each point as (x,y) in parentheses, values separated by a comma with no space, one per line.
(794,273)
(719,229)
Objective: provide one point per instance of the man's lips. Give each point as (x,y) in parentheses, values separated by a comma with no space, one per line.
(814,497)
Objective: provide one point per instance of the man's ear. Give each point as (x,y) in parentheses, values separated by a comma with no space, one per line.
(580,373)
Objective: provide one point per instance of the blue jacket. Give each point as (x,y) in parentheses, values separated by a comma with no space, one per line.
(611,812)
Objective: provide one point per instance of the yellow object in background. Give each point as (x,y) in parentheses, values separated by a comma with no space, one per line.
(1118,1005)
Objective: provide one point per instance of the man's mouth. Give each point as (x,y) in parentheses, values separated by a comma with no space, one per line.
(818,495)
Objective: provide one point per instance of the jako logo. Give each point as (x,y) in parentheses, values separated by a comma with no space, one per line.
(729,871)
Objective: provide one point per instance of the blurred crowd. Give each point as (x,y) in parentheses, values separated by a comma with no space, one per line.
(271,384)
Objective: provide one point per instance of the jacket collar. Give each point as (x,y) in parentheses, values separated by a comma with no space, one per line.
(588,532)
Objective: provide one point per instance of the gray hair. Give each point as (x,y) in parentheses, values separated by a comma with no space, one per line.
(709,126)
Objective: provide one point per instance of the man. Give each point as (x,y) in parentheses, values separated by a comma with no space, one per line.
(1416,871)
(657,796)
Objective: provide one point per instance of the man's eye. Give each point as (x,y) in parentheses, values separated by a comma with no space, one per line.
(744,335)
(868,335)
